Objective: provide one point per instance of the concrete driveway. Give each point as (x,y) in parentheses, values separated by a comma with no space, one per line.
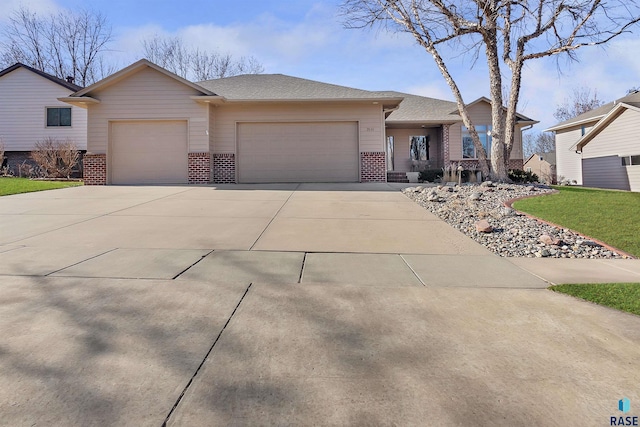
(286,304)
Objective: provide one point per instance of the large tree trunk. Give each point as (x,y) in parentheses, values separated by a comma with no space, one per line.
(498,137)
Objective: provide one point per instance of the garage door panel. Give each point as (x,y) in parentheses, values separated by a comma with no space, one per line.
(298,152)
(149,152)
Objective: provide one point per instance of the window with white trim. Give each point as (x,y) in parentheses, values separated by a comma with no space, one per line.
(631,160)
(468,149)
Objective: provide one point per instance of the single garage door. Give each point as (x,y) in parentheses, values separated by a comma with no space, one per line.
(153,152)
(298,152)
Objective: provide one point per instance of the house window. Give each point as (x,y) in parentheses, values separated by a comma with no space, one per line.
(419,147)
(58,116)
(631,160)
(468,149)
(390,149)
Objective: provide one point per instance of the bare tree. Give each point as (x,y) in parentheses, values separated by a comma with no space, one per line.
(66,44)
(580,102)
(508,33)
(195,64)
(538,143)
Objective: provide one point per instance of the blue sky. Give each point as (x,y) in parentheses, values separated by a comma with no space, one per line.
(306,39)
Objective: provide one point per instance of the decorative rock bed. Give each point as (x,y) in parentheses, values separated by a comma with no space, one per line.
(479,212)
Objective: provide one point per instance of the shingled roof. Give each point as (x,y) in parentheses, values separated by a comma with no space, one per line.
(597,113)
(72,87)
(269,87)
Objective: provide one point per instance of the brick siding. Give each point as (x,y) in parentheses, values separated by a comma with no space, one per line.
(224,168)
(373,167)
(95,169)
(199,168)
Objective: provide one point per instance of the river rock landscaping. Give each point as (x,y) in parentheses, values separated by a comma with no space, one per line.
(479,211)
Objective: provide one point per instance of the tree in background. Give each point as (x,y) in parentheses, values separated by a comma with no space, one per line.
(538,143)
(507,33)
(580,102)
(65,44)
(194,64)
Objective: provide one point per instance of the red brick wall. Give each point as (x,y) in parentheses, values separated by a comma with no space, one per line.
(516,164)
(224,168)
(199,168)
(95,169)
(373,167)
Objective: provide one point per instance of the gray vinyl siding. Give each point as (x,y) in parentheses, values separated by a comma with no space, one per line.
(25,96)
(147,95)
(605,172)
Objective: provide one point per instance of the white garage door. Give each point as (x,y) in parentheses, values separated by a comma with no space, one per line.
(152,152)
(298,152)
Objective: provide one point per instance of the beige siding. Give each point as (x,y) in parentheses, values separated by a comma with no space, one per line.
(402,145)
(633,172)
(542,168)
(620,137)
(225,118)
(147,95)
(480,115)
(568,162)
(603,152)
(24,97)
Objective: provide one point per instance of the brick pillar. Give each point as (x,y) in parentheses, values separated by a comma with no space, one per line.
(95,169)
(373,167)
(516,164)
(199,168)
(445,144)
(224,168)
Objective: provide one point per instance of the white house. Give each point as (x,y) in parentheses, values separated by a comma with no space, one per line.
(30,112)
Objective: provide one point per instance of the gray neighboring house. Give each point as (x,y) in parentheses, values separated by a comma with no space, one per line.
(600,148)
(30,111)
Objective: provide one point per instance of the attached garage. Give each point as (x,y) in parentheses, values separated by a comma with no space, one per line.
(148,152)
(298,152)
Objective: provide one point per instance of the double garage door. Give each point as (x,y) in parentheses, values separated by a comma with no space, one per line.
(155,152)
(297,152)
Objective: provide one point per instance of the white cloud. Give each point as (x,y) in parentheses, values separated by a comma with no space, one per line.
(37,6)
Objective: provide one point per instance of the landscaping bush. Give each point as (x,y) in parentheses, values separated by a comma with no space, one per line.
(56,159)
(520,176)
(430,175)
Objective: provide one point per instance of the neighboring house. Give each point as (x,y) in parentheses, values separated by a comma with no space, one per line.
(599,148)
(543,165)
(30,111)
(147,125)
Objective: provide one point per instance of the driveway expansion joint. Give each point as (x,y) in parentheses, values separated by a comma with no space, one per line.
(189,267)
(204,360)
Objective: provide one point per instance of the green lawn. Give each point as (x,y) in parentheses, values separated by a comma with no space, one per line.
(621,296)
(25,185)
(610,216)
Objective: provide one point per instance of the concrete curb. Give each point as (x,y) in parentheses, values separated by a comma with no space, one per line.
(510,202)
